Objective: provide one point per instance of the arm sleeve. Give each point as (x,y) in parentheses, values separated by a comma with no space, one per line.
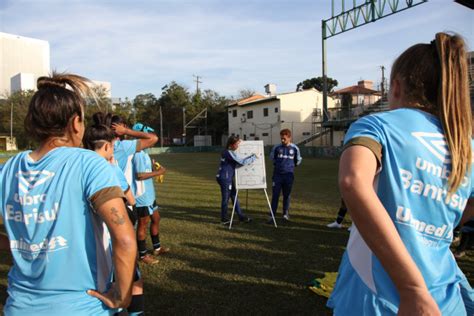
(367,132)
(100,181)
(272,153)
(242,161)
(298,158)
(130,146)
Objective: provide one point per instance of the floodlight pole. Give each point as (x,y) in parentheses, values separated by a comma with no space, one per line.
(369,11)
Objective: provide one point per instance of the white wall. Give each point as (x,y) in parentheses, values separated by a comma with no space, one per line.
(21,55)
(22,82)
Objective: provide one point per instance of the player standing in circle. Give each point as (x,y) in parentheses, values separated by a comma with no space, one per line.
(286,156)
(225,178)
(54,201)
(406,178)
(145,195)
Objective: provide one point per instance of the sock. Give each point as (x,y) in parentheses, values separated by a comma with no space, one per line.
(156,241)
(141,248)
(137,306)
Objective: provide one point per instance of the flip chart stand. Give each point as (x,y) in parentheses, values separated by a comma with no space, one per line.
(235,203)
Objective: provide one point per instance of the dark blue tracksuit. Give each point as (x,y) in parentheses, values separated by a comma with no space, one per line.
(285,158)
(225,178)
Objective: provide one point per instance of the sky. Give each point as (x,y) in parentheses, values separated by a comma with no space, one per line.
(142,45)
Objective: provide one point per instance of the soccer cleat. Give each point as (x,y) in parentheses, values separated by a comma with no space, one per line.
(286,217)
(161,251)
(246,219)
(225,222)
(148,260)
(269,221)
(334,225)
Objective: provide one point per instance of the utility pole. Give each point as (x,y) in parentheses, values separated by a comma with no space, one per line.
(161,127)
(184,126)
(197,83)
(382,86)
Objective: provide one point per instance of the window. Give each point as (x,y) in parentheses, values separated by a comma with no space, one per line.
(264,134)
(252,135)
(245,137)
(234,113)
(306,133)
(249,114)
(276,110)
(265,112)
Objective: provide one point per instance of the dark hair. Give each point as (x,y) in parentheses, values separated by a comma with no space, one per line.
(98,133)
(232,140)
(435,78)
(58,100)
(286,132)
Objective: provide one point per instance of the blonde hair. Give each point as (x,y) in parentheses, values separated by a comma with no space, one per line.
(435,77)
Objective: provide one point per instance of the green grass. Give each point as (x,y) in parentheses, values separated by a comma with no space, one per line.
(253,268)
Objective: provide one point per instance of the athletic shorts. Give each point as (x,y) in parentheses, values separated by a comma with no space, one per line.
(144,211)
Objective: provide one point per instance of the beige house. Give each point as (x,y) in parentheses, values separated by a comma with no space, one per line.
(262,117)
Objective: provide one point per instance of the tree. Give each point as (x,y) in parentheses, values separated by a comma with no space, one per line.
(316,83)
(18,102)
(245,93)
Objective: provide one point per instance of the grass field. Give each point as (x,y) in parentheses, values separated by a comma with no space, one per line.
(253,268)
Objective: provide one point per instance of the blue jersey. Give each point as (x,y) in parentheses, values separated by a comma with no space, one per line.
(229,161)
(123,153)
(285,158)
(60,247)
(412,185)
(121,178)
(144,189)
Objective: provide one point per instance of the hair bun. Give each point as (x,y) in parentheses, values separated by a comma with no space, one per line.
(98,118)
(44,82)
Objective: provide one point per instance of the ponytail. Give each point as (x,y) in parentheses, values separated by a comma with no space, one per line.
(435,79)
(453,105)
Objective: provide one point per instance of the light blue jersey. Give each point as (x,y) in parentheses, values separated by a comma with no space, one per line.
(124,150)
(145,190)
(121,178)
(411,184)
(60,247)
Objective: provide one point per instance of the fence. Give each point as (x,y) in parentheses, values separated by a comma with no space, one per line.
(315,152)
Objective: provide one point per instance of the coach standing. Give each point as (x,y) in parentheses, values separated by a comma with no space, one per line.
(286,156)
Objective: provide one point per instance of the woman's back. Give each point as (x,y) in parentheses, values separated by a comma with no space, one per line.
(59,246)
(412,185)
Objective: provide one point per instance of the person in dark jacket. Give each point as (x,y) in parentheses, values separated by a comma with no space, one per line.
(225,177)
(286,156)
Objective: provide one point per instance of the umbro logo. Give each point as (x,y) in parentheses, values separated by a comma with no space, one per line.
(31,179)
(436,144)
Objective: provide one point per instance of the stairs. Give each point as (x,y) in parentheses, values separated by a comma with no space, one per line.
(316,135)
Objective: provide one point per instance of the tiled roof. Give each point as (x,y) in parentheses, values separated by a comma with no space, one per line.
(356,90)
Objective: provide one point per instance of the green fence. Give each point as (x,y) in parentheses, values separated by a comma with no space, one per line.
(316,152)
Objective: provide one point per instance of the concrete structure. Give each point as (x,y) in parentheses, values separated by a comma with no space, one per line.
(8,143)
(21,55)
(361,95)
(22,82)
(262,117)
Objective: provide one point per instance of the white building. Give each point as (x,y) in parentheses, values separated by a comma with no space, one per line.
(262,117)
(22,82)
(21,55)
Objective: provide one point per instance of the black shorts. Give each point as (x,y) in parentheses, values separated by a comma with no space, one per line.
(144,211)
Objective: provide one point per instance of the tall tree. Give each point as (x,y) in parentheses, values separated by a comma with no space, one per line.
(16,104)
(316,83)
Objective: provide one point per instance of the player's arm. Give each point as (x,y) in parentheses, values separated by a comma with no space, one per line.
(242,161)
(145,140)
(129,196)
(357,170)
(154,173)
(124,247)
(298,158)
